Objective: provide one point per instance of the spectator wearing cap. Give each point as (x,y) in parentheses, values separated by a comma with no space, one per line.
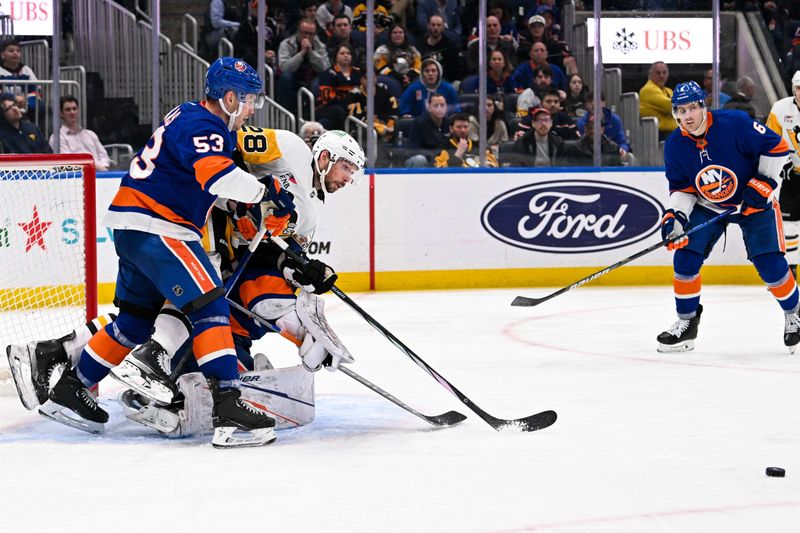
(76,140)
(612,123)
(655,99)
(12,68)
(525,75)
(18,136)
(557,52)
(539,146)
(563,125)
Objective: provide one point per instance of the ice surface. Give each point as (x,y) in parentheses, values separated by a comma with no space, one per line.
(644,441)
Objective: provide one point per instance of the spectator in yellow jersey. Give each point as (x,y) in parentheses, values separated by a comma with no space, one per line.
(655,99)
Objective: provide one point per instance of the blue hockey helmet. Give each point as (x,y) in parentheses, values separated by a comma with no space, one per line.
(688,92)
(231,74)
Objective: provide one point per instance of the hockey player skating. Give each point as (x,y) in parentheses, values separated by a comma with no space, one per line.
(716,160)
(308,177)
(157,217)
(784,119)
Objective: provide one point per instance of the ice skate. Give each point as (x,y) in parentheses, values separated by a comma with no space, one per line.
(680,337)
(142,410)
(236,423)
(791,331)
(72,404)
(31,367)
(146,370)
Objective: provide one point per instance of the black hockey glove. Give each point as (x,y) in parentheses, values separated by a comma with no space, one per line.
(315,276)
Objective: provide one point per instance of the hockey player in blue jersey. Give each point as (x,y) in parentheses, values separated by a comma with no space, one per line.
(157,217)
(716,160)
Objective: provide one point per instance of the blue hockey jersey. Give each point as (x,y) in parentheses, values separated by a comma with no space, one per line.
(717,166)
(166,190)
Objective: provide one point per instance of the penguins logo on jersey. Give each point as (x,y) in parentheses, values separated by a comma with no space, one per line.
(716,183)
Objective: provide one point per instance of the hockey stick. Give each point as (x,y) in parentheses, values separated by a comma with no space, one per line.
(529,423)
(244,260)
(524,301)
(449,418)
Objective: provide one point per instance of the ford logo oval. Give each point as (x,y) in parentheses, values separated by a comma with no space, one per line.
(572,216)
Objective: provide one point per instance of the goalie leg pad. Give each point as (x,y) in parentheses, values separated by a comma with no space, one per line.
(311,310)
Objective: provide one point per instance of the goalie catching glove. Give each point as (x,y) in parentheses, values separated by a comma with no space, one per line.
(314,276)
(672,226)
(274,211)
(758,194)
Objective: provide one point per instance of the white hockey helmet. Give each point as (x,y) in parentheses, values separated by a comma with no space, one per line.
(796,79)
(340,145)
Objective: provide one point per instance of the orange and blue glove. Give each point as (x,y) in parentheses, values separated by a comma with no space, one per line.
(756,196)
(673,224)
(274,211)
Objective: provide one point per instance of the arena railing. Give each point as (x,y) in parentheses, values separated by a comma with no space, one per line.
(186,78)
(143,90)
(225,47)
(36,54)
(273,115)
(105,37)
(189,32)
(77,73)
(307,95)
(357,128)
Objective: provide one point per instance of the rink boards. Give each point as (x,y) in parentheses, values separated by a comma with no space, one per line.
(484,228)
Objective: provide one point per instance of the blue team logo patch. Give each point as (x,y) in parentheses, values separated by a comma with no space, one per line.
(574,216)
(716,183)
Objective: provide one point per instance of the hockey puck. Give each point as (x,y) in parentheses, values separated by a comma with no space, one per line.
(774,471)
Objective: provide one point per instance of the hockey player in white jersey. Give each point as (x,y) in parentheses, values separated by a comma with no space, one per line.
(336,160)
(784,119)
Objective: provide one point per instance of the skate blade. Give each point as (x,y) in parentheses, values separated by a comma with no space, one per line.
(685,346)
(231,437)
(132,376)
(791,349)
(162,420)
(63,415)
(19,361)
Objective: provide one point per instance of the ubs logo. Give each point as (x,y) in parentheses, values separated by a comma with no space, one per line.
(572,216)
(716,183)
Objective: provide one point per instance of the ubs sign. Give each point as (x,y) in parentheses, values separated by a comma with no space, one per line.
(647,40)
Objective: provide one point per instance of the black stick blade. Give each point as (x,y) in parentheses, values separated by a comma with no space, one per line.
(522,301)
(530,423)
(450,418)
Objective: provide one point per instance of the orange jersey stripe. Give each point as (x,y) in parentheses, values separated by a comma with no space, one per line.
(127,197)
(213,340)
(785,289)
(196,270)
(265,284)
(107,348)
(782,146)
(684,288)
(779,224)
(209,166)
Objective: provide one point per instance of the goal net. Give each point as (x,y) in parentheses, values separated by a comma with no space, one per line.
(48,278)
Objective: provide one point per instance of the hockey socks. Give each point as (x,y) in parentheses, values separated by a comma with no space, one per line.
(774,270)
(110,346)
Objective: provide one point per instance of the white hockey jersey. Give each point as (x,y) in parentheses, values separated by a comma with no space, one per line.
(784,119)
(288,158)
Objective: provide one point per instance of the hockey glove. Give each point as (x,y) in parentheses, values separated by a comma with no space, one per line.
(279,204)
(757,195)
(672,226)
(315,276)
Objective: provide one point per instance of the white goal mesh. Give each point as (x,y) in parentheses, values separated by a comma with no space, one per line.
(48,283)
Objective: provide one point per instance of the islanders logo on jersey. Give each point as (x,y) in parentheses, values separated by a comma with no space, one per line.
(716,183)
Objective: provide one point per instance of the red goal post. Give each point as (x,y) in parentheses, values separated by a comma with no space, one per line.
(48,246)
